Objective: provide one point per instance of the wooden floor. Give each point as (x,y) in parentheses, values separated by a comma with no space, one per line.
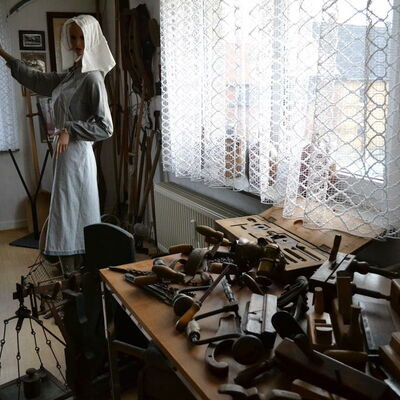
(14,262)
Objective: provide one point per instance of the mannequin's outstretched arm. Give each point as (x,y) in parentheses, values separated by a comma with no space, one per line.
(7,57)
(39,82)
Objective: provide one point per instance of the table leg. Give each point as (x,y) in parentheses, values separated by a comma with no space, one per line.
(112,354)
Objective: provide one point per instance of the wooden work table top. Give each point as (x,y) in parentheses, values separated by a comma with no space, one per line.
(158,321)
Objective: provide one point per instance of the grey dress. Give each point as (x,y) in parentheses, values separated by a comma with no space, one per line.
(81,106)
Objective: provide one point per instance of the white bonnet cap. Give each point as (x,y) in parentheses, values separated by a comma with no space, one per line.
(97,55)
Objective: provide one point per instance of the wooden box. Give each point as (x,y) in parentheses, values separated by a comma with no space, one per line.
(304,249)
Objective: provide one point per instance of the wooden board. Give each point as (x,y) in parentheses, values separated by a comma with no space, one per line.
(323,239)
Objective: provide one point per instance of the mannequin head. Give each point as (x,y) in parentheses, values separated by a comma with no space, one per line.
(83,42)
(76,39)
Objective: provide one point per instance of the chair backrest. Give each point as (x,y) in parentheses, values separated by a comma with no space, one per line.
(108,245)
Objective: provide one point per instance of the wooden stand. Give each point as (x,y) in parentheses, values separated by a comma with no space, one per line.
(38,202)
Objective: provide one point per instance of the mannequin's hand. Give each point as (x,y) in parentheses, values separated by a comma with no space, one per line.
(63,140)
(4,54)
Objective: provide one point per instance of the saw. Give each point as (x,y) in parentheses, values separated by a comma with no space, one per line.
(18,6)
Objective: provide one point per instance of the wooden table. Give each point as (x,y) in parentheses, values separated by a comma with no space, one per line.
(157,321)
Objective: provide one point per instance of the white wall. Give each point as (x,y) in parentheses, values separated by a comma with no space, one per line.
(12,194)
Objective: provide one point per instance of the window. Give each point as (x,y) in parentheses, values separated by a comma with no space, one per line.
(8,136)
(295,101)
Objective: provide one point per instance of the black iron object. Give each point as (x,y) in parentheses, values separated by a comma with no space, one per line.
(294,298)
(31,383)
(50,388)
(86,352)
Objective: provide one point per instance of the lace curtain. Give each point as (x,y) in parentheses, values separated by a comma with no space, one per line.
(297,101)
(8,123)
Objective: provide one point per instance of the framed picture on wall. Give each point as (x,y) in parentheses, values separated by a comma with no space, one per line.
(55,21)
(35,60)
(47,120)
(31,40)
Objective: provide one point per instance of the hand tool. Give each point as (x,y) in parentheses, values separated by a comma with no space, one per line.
(238,392)
(143,281)
(363,268)
(209,232)
(340,263)
(228,331)
(355,359)
(245,349)
(180,248)
(134,272)
(193,328)
(183,299)
(386,373)
(253,374)
(294,297)
(250,282)
(277,394)
(161,291)
(189,314)
(196,261)
(330,374)
(319,325)
(257,318)
(287,327)
(271,263)
(164,272)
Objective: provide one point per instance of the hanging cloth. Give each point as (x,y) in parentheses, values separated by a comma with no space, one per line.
(97,55)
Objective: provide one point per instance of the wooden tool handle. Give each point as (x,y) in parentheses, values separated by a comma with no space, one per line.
(209,232)
(180,248)
(212,240)
(348,356)
(318,300)
(162,271)
(216,268)
(335,247)
(146,280)
(181,304)
(187,317)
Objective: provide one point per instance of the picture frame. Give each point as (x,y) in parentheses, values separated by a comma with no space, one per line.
(46,120)
(35,60)
(55,21)
(31,40)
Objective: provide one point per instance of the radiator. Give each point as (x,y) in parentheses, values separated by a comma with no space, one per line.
(179,210)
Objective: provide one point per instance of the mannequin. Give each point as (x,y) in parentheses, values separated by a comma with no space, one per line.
(82,116)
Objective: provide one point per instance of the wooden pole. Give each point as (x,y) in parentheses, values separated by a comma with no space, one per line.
(116,108)
(31,128)
(135,154)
